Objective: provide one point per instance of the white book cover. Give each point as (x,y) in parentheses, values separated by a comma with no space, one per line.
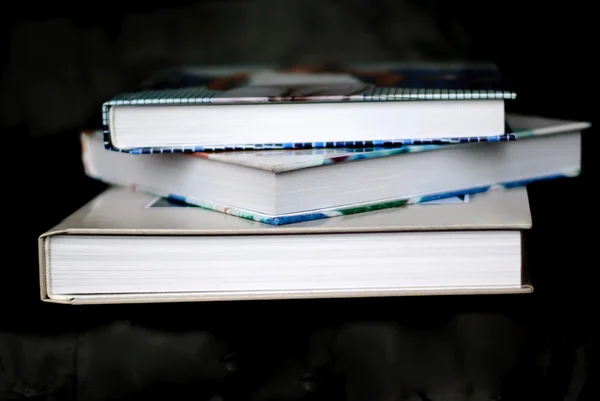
(120,247)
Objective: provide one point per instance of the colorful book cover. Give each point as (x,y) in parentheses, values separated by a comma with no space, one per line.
(317,83)
(172,202)
(360,208)
(281,161)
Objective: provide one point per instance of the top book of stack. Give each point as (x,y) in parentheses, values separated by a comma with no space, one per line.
(191,110)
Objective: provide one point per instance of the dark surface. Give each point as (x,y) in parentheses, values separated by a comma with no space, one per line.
(539,346)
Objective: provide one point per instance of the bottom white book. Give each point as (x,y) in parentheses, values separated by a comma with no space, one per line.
(120,249)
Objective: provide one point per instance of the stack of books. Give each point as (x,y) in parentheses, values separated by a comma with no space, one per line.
(307,181)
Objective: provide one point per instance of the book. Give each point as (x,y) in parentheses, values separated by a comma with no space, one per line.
(117,249)
(287,186)
(309,107)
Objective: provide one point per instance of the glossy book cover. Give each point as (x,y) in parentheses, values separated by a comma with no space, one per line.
(316,84)
(333,82)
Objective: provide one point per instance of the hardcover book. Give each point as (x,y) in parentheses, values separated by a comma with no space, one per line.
(279,187)
(190,110)
(117,249)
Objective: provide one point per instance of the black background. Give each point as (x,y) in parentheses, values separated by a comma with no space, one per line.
(547,50)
